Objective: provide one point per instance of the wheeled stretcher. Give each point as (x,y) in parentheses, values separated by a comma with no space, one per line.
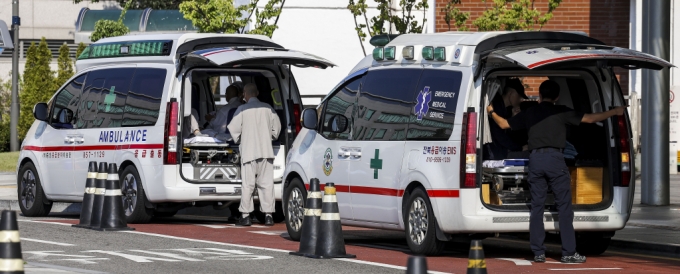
(214,161)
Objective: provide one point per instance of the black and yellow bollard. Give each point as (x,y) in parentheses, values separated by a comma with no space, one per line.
(476,262)
(310,224)
(113,213)
(88,197)
(10,244)
(331,243)
(98,201)
(416,265)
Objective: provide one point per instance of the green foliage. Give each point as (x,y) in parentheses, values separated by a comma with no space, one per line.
(4,134)
(142,4)
(222,16)
(81,48)
(110,28)
(452,13)
(65,65)
(38,84)
(514,15)
(388,20)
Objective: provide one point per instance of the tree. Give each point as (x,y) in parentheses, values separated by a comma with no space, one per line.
(503,15)
(38,84)
(142,4)
(109,28)
(222,16)
(388,20)
(81,48)
(65,65)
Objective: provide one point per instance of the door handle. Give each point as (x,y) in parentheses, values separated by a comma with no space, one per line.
(355,153)
(68,140)
(80,140)
(344,153)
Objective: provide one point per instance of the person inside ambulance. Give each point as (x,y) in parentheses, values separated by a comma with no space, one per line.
(191,126)
(506,143)
(226,113)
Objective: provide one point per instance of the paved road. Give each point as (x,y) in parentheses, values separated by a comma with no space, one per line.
(211,245)
(81,250)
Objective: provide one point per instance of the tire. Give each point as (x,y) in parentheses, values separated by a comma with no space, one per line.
(162,214)
(294,198)
(134,198)
(592,243)
(420,225)
(32,200)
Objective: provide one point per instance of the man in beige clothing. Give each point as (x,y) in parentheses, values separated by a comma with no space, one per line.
(254,126)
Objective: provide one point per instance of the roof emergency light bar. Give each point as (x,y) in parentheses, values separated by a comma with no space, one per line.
(382,40)
(127,48)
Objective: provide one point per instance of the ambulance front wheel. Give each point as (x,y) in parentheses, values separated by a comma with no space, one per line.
(32,200)
(420,225)
(294,198)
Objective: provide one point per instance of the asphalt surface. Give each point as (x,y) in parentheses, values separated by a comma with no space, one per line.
(78,250)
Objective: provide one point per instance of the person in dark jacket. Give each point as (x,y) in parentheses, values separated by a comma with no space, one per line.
(547,125)
(506,105)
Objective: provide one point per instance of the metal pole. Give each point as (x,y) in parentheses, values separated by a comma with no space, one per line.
(14,109)
(656,184)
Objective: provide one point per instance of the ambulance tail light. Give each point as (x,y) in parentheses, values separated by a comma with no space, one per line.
(170,146)
(624,144)
(297,112)
(468,158)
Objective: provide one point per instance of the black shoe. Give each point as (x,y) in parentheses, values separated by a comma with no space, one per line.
(268,220)
(574,259)
(244,222)
(539,258)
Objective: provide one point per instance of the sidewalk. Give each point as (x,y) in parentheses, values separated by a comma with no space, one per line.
(650,228)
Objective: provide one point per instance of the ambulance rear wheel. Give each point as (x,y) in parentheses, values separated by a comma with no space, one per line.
(134,198)
(294,198)
(420,225)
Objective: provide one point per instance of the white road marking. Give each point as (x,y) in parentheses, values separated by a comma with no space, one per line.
(516,261)
(40,255)
(220,226)
(271,233)
(81,261)
(136,258)
(174,256)
(256,247)
(64,268)
(43,222)
(584,269)
(45,242)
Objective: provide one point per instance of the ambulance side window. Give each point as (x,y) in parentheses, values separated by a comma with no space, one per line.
(385,102)
(104,98)
(435,105)
(66,103)
(341,103)
(144,98)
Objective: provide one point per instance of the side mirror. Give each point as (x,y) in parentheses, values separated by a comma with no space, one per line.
(40,112)
(65,116)
(338,123)
(309,118)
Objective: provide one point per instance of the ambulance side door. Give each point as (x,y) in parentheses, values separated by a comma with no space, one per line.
(379,134)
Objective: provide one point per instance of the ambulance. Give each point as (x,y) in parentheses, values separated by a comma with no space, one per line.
(131,104)
(405,137)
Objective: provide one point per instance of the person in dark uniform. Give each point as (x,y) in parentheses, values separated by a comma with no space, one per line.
(506,105)
(547,123)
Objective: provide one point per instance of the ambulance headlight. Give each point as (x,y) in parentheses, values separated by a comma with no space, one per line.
(407,52)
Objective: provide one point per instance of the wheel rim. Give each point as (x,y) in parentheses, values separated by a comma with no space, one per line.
(28,189)
(129,194)
(417,219)
(295,209)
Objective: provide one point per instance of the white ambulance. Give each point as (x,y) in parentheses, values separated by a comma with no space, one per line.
(130,103)
(404,137)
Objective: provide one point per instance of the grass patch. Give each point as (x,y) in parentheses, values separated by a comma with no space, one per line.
(8,161)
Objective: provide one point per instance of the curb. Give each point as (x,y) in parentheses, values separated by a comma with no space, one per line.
(666,250)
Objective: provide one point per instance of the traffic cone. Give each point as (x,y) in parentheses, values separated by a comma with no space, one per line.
(98,201)
(113,214)
(88,197)
(330,242)
(476,262)
(416,265)
(10,244)
(310,224)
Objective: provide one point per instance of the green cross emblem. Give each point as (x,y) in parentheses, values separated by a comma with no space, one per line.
(376,164)
(110,98)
